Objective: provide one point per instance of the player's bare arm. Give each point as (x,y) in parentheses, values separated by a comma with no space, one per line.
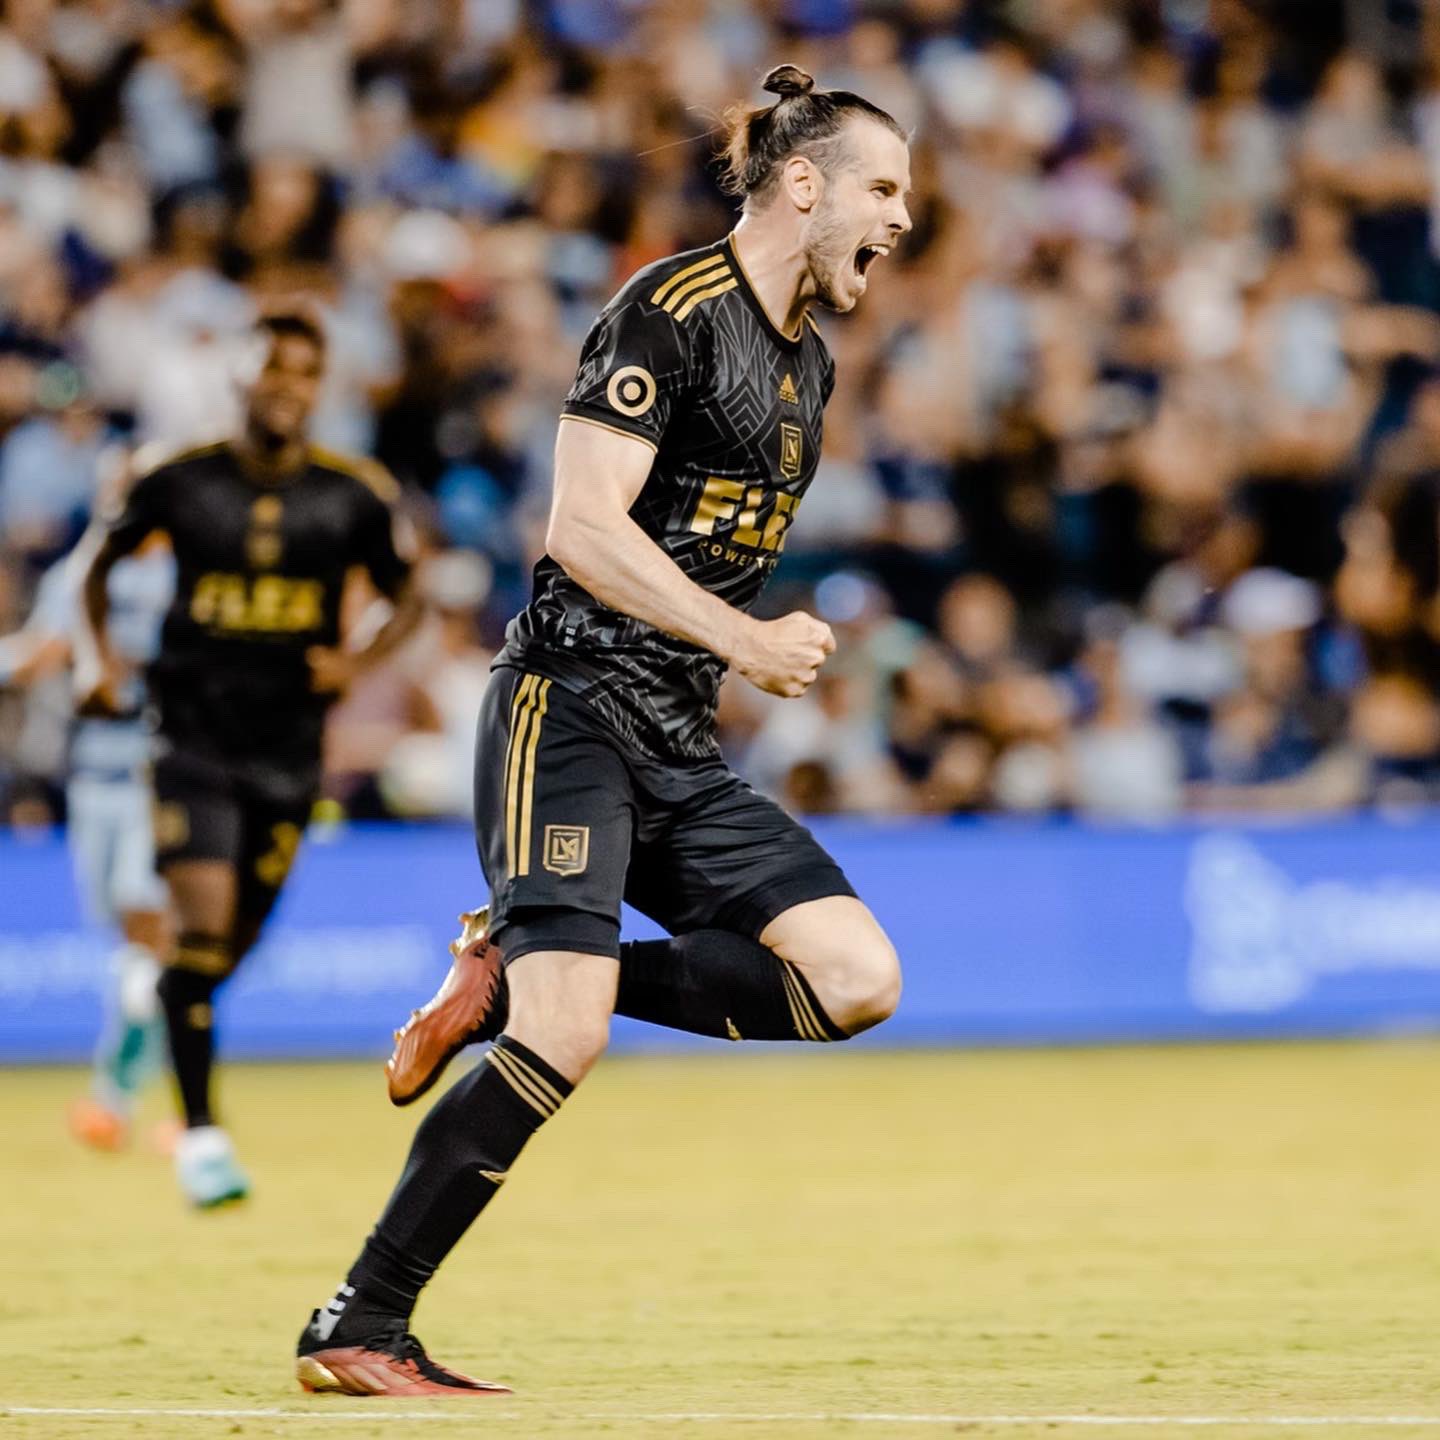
(98,670)
(598,476)
(334,669)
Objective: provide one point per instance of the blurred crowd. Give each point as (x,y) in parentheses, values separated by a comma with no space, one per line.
(1101,463)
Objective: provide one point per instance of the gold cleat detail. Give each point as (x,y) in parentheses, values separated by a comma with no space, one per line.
(313,1376)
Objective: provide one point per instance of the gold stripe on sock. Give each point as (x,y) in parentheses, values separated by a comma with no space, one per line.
(810,1005)
(527,770)
(202,959)
(714,290)
(519,719)
(519,1084)
(667,285)
(540,1082)
(795,1018)
(809,1028)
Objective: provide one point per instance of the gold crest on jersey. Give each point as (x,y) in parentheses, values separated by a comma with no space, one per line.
(792,450)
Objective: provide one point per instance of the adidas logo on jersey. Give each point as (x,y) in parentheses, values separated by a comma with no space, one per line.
(788,393)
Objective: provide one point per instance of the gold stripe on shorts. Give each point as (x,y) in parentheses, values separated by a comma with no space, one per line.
(527,777)
(519,721)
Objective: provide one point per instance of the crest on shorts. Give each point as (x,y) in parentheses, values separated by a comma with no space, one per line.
(792,448)
(171,824)
(567,848)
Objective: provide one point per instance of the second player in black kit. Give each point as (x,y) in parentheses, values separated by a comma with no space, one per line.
(265,529)
(260,571)
(598,775)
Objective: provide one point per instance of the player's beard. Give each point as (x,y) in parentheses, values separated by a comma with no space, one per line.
(827,248)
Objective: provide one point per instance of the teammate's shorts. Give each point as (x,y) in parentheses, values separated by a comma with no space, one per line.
(570,820)
(113,846)
(208,810)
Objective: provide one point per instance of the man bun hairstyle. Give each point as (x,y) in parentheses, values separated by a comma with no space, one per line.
(802,121)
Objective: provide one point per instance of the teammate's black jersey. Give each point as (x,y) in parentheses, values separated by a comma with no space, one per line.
(686,359)
(260,569)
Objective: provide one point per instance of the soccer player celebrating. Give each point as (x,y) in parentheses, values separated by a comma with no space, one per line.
(686,445)
(265,529)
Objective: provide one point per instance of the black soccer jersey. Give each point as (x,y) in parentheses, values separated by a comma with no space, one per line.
(685,359)
(260,568)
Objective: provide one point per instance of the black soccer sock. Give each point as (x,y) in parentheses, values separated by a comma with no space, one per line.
(458,1160)
(714,982)
(187,991)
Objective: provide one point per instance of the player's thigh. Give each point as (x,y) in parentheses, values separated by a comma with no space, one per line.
(199,831)
(554,815)
(272,831)
(848,959)
(91,831)
(560,1007)
(135,884)
(731,859)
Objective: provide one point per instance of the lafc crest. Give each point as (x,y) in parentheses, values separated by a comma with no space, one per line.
(567,849)
(792,450)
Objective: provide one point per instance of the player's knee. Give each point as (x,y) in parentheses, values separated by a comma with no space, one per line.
(872,990)
(572,1043)
(859,983)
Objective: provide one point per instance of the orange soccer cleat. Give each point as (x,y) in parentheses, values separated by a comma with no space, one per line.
(98,1126)
(392,1365)
(471,1005)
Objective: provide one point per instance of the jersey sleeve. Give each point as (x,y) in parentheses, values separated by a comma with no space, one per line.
(382,539)
(144,510)
(634,371)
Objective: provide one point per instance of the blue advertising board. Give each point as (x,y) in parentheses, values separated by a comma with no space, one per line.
(1010,932)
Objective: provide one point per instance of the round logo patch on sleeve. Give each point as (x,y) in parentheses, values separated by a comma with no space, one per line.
(631,390)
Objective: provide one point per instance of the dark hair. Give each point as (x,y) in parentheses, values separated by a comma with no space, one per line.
(293,320)
(803,120)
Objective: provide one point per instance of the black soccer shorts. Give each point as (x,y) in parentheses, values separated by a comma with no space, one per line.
(570,820)
(207,809)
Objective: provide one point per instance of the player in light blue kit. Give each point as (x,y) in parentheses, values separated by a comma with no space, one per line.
(109,827)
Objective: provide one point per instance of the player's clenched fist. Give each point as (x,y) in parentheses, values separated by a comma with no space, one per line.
(784,656)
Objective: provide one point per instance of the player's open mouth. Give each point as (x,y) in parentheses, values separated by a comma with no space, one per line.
(866,255)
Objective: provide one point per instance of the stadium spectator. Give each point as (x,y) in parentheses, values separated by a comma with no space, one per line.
(1169,313)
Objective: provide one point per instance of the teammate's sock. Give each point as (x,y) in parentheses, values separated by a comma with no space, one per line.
(714,982)
(187,991)
(130,1048)
(458,1160)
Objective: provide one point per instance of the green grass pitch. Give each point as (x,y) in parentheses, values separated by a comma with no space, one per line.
(790,1236)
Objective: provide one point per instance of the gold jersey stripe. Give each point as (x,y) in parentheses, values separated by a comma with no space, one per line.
(805,1022)
(370,473)
(156,454)
(710,277)
(665,286)
(614,429)
(714,290)
(527,782)
(519,720)
(502,1060)
(536,1078)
